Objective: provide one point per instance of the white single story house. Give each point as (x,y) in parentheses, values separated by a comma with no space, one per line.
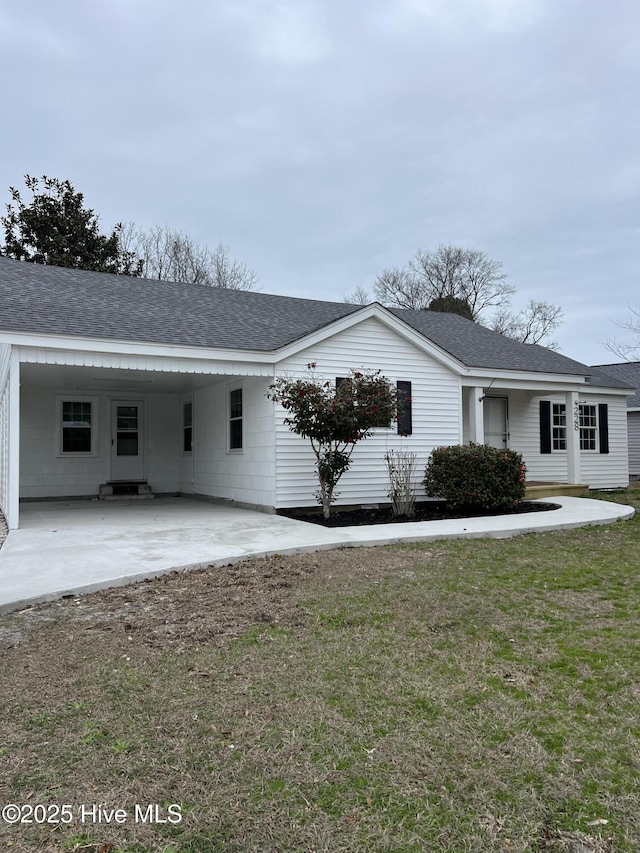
(627,373)
(112,380)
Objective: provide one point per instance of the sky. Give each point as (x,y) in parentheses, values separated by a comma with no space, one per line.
(325,141)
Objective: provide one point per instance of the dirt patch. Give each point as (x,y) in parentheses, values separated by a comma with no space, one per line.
(183,610)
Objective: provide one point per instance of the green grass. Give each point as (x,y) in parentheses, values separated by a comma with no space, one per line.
(462,696)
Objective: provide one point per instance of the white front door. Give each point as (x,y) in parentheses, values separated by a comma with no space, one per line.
(496,423)
(127,440)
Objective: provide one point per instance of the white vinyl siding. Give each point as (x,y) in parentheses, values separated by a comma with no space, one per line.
(598,470)
(609,470)
(247,476)
(46,473)
(436,404)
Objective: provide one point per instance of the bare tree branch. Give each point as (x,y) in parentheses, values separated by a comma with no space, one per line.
(171,255)
(627,350)
(449,272)
(467,282)
(359,296)
(532,325)
(401,289)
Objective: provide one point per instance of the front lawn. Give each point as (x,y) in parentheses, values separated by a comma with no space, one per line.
(470,695)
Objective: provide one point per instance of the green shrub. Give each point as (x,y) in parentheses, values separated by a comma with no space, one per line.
(476,476)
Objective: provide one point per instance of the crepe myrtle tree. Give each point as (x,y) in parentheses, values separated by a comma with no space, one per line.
(335,418)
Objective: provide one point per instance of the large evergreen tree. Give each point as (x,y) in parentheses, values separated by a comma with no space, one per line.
(55,228)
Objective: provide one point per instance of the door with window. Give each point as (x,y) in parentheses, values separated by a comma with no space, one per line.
(127,440)
(496,422)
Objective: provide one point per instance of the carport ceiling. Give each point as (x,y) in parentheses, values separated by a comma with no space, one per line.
(94,379)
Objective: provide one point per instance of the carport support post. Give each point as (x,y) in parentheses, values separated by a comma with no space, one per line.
(574,474)
(13,508)
(476,415)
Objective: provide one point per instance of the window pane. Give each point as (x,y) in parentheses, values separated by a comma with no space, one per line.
(127,417)
(236,403)
(235,435)
(187,414)
(127,444)
(187,443)
(76,440)
(76,414)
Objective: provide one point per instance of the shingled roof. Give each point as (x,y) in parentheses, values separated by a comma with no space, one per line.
(78,303)
(477,346)
(626,374)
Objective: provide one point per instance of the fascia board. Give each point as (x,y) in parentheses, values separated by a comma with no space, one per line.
(549,383)
(380,313)
(605,389)
(118,347)
(524,380)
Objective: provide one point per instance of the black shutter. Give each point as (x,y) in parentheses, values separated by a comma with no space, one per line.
(603,427)
(405,425)
(545,426)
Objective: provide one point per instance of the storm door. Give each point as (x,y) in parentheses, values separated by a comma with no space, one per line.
(127,440)
(496,422)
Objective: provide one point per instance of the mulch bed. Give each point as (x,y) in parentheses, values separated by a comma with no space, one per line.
(424,511)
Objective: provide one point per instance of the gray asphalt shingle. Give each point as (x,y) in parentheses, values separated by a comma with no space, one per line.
(71,302)
(626,374)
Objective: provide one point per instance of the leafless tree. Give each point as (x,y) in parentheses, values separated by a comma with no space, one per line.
(171,255)
(448,272)
(400,288)
(359,296)
(627,350)
(467,278)
(532,325)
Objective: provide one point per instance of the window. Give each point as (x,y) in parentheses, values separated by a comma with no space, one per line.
(405,420)
(405,426)
(591,419)
(187,427)
(588,420)
(340,380)
(77,426)
(235,419)
(559,427)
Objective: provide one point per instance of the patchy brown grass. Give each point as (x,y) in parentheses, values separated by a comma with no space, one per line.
(460,696)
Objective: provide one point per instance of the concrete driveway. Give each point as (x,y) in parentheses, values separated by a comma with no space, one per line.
(71,547)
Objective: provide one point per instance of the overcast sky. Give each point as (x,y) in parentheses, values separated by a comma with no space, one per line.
(324,140)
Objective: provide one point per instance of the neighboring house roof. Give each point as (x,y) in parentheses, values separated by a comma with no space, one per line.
(626,373)
(78,303)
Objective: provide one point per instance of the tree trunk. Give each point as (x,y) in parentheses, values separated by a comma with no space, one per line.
(325,499)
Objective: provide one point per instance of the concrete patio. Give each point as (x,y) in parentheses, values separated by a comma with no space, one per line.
(65,548)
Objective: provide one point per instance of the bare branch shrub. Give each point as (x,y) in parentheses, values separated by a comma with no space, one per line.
(401,465)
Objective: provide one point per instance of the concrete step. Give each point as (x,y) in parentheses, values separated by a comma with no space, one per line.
(125,491)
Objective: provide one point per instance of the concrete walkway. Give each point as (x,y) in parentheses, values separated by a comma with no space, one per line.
(80,546)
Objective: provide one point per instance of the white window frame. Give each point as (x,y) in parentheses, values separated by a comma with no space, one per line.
(235,419)
(559,427)
(75,398)
(588,432)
